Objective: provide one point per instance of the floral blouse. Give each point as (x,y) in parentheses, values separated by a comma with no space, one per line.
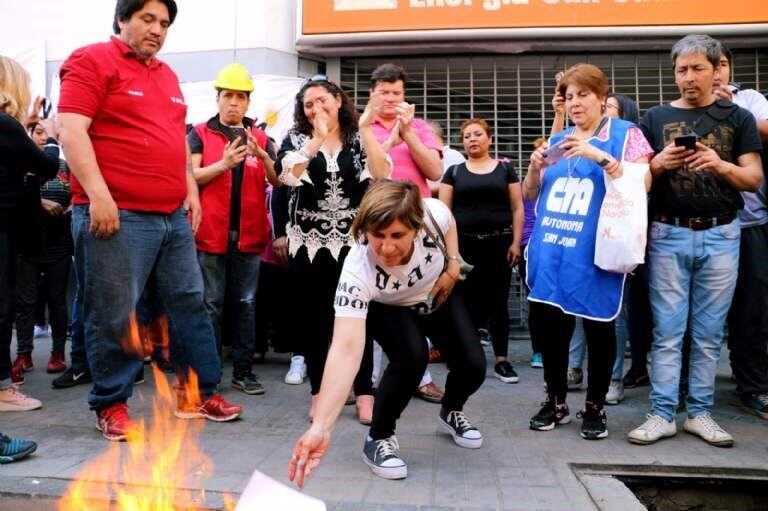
(325,198)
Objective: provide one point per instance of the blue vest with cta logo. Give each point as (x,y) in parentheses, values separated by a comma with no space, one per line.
(561,252)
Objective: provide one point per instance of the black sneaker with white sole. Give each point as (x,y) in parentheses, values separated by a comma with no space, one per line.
(383,458)
(594,422)
(505,372)
(248,383)
(456,424)
(550,415)
(71,378)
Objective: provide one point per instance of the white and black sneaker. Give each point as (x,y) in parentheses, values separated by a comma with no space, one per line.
(505,372)
(383,458)
(457,425)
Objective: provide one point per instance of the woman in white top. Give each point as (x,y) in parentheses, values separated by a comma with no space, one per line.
(396,286)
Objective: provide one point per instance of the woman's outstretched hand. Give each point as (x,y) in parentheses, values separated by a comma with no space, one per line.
(307,453)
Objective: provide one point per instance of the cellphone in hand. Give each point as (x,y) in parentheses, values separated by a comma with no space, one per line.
(687,141)
(555,153)
(45,106)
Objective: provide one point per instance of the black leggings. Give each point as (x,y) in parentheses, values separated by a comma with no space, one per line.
(315,288)
(556,328)
(28,272)
(486,290)
(400,332)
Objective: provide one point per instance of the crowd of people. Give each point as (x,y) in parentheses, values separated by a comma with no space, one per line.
(362,233)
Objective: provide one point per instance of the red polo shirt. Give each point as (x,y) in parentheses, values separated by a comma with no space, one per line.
(137,129)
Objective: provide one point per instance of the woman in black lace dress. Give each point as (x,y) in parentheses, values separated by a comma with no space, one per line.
(328,159)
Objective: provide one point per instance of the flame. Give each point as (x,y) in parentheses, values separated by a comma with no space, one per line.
(155,469)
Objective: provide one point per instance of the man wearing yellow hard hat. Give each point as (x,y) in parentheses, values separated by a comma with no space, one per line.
(231,163)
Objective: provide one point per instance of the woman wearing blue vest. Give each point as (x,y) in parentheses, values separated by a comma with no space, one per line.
(567,177)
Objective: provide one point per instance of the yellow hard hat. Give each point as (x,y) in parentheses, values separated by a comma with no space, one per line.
(234,77)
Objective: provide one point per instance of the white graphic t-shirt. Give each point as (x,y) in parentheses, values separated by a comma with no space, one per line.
(363,279)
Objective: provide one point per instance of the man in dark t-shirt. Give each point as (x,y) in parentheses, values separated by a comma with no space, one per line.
(693,250)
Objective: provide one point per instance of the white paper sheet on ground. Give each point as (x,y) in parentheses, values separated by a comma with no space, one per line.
(266,494)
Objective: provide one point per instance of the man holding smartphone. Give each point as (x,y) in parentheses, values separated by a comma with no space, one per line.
(231,163)
(748,317)
(693,247)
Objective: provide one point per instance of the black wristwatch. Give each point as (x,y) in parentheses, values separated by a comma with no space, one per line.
(605,161)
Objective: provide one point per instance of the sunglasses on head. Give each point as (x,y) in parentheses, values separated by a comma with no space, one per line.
(317,78)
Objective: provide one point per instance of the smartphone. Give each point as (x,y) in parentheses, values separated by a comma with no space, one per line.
(240,133)
(46,108)
(555,153)
(687,141)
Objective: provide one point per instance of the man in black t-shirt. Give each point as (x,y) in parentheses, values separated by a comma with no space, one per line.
(693,250)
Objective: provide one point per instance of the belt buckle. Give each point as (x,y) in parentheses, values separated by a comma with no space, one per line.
(699,224)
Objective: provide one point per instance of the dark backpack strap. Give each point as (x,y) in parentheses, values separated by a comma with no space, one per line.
(438,237)
(718,111)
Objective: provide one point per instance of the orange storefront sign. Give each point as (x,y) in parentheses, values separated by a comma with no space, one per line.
(349,16)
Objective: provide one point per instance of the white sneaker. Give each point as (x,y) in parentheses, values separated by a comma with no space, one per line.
(11,400)
(704,426)
(297,372)
(654,428)
(615,392)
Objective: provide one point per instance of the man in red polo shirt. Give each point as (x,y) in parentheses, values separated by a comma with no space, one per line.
(121,116)
(230,162)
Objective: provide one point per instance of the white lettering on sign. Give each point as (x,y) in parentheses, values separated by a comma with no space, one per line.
(570,195)
(363,5)
(563,225)
(550,237)
(441,3)
(495,5)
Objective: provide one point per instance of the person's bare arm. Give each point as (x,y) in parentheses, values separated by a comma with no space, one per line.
(746,174)
(234,153)
(445,194)
(518,218)
(73,135)
(340,368)
(192,200)
(427,160)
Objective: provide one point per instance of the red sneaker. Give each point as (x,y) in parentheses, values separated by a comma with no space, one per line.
(114,422)
(216,408)
(17,374)
(24,362)
(56,363)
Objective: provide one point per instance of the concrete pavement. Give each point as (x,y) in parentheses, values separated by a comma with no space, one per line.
(515,469)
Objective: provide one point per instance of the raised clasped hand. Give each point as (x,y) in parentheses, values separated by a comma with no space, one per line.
(405,114)
(320,124)
(723,91)
(372,109)
(558,103)
(254,149)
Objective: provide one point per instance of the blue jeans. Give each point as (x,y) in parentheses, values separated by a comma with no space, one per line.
(578,346)
(692,276)
(77,348)
(234,276)
(115,272)
(622,335)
